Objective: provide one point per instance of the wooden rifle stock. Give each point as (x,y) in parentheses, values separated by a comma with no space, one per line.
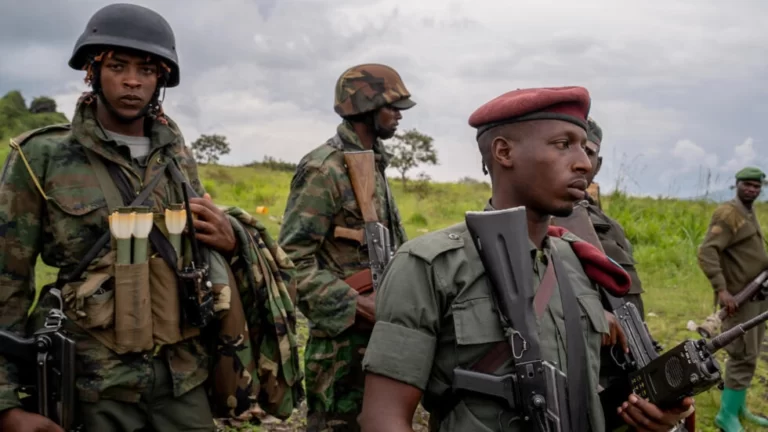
(362,173)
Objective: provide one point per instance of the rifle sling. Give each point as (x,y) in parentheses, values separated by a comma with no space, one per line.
(161,244)
(100,170)
(575,347)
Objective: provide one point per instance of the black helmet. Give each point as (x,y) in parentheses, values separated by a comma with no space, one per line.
(128,26)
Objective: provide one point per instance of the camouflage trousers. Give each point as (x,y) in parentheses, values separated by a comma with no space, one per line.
(743,352)
(335,380)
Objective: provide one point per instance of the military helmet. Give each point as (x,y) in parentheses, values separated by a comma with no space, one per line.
(368,87)
(128,26)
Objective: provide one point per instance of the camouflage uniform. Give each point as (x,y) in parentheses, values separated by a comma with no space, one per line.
(60,223)
(53,204)
(321,198)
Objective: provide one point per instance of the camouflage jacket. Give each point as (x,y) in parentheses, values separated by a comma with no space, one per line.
(321,198)
(58,215)
(733,250)
(615,243)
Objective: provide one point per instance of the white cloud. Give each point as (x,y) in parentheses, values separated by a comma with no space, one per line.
(691,156)
(262,72)
(743,154)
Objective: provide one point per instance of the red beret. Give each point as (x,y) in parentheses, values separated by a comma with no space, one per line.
(555,103)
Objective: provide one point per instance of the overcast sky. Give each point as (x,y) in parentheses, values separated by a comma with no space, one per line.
(678,86)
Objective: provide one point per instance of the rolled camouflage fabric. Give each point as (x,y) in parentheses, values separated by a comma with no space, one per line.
(368,87)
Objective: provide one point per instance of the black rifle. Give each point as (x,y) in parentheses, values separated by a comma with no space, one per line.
(536,389)
(688,369)
(196,289)
(46,365)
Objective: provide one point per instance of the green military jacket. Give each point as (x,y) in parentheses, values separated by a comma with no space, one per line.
(58,215)
(435,312)
(733,251)
(615,243)
(321,198)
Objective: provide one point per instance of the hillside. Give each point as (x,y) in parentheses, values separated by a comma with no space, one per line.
(16,117)
(664,232)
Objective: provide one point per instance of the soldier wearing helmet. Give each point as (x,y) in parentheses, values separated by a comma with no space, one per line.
(320,215)
(59,185)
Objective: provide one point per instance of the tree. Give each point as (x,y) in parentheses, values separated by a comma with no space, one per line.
(42,104)
(208,148)
(411,149)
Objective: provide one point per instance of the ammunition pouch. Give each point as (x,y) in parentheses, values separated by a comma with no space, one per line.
(128,307)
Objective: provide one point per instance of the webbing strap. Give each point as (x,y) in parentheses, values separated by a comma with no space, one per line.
(111,194)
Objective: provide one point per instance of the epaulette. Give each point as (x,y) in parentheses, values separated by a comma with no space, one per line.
(730,215)
(20,140)
(430,246)
(17,142)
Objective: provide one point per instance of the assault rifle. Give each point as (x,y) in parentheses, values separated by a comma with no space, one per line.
(46,365)
(362,174)
(616,365)
(196,289)
(537,389)
(757,288)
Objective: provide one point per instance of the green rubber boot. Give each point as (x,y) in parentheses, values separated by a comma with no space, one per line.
(752,418)
(731,403)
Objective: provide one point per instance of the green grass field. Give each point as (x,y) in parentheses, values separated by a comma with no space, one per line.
(664,232)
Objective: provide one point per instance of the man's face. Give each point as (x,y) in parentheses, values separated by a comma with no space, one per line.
(387,119)
(128,82)
(748,190)
(549,166)
(593,153)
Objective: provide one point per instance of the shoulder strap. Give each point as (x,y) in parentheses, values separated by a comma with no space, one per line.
(17,142)
(111,194)
(575,348)
(101,173)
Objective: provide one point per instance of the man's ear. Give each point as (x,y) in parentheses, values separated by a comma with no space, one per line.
(502,150)
(599,164)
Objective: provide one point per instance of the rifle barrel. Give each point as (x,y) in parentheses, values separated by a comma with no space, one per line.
(731,335)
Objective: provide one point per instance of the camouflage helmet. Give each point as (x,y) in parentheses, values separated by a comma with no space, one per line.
(128,26)
(368,87)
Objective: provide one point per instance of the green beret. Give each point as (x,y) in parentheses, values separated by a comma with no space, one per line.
(594,132)
(750,173)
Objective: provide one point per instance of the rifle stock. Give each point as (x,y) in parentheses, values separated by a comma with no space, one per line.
(361,169)
(711,325)
(362,173)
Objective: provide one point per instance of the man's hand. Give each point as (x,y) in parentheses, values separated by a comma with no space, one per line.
(616,333)
(366,307)
(727,301)
(645,416)
(212,226)
(16,419)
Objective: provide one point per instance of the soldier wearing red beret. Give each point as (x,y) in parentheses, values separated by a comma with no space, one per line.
(436,310)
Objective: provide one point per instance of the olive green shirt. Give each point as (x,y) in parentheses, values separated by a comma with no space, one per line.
(733,251)
(435,312)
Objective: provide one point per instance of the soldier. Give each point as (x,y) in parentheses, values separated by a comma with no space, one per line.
(369,98)
(731,255)
(58,187)
(435,310)
(612,237)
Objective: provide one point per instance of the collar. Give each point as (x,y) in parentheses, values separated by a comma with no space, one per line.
(740,205)
(352,141)
(87,130)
